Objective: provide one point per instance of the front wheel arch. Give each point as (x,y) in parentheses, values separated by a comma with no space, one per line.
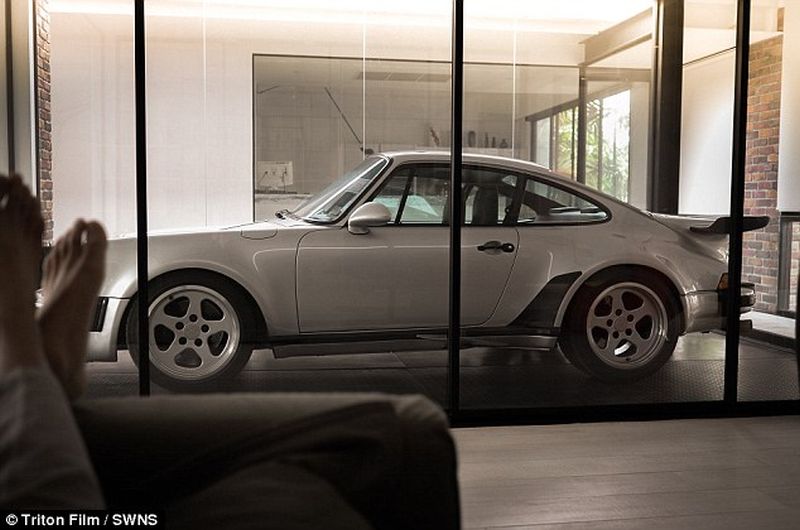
(257,332)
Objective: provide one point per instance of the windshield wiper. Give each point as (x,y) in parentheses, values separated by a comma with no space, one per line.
(281,214)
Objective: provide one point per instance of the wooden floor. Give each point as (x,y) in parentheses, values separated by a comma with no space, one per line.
(688,474)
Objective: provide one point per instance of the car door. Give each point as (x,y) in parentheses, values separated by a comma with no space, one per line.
(396,276)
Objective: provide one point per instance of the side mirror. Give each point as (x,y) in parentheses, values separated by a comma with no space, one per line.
(367,215)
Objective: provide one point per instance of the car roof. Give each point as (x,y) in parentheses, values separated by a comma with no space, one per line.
(443,155)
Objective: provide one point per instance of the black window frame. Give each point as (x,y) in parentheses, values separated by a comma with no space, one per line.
(574,106)
(667,10)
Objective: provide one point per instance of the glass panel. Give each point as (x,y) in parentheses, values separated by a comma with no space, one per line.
(330,204)
(565,138)
(705,166)
(544,203)
(490,196)
(542,144)
(602,297)
(416,195)
(407,103)
(767,363)
(419,195)
(86,131)
(542,94)
(794,267)
(308,126)
(268,124)
(617,121)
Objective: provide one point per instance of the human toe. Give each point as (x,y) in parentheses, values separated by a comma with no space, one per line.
(95,235)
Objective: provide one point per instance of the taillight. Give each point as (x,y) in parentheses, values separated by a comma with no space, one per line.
(723,282)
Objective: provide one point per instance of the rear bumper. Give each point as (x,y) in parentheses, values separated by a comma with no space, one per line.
(707,310)
(103,337)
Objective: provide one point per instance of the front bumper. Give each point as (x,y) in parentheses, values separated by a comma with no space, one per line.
(105,329)
(707,310)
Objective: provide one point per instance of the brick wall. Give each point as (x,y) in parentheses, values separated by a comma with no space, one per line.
(44,125)
(760,264)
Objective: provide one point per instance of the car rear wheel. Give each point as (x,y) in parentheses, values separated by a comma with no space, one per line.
(621,329)
(196,332)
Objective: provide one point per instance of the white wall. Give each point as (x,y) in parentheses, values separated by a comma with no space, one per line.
(200,114)
(93,124)
(707,136)
(789,152)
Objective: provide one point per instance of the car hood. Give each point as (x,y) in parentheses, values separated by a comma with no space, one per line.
(257,230)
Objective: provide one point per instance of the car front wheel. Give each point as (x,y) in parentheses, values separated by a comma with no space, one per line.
(621,329)
(196,332)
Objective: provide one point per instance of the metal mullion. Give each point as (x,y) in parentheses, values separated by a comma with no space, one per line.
(140,71)
(583,87)
(456,116)
(733,327)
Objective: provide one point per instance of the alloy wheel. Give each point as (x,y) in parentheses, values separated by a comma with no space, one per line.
(627,325)
(194,332)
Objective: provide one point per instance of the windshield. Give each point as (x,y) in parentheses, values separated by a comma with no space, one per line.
(329,204)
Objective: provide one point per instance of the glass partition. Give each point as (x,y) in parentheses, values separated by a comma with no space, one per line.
(607,304)
(86,159)
(266,128)
(767,360)
(298,164)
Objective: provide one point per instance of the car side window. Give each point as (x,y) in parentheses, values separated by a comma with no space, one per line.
(543,203)
(419,195)
(392,193)
(489,196)
(416,195)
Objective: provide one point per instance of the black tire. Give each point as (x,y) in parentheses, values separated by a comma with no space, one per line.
(621,326)
(181,372)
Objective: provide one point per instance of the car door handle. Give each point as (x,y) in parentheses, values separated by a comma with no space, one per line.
(496,245)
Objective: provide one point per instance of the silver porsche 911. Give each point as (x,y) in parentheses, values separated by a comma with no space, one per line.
(363,267)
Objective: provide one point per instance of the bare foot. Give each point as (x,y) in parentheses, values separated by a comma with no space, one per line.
(21,250)
(73,273)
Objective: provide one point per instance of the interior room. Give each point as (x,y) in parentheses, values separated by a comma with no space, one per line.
(572,227)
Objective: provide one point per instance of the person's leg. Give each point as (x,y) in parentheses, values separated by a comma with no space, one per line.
(20,254)
(391,458)
(43,462)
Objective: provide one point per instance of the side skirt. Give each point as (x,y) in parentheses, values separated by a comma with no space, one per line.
(412,340)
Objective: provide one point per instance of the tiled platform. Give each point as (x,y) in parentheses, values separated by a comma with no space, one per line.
(774,329)
(493,378)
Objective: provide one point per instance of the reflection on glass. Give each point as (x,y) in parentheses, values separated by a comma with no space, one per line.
(277,112)
(566,134)
(329,204)
(586,115)
(317,117)
(608,144)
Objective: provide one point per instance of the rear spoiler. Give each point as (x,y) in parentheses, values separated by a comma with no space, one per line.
(722,225)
